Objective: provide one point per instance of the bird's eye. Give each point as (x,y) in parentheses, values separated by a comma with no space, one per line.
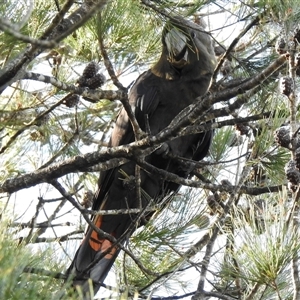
(193,34)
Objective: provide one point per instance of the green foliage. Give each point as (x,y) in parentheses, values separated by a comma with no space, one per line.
(264,246)
(16,260)
(256,245)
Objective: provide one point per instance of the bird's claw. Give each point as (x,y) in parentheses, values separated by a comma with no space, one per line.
(163,150)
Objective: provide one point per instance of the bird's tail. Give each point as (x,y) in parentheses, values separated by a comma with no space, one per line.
(92,261)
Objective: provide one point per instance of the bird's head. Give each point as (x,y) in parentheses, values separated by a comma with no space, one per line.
(184,44)
(175,42)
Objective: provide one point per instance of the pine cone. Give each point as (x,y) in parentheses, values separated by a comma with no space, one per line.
(43,120)
(95,81)
(282,136)
(71,100)
(90,70)
(243,129)
(82,81)
(292,174)
(280,46)
(286,85)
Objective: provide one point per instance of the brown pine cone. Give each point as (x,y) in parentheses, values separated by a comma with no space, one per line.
(286,85)
(82,81)
(71,100)
(243,129)
(95,81)
(90,70)
(292,174)
(282,136)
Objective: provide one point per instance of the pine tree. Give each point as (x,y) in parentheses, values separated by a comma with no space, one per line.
(231,232)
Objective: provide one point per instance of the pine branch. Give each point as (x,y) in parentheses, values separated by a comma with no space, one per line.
(101,233)
(59,239)
(15,69)
(185,118)
(202,107)
(34,121)
(93,95)
(233,45)
(44,272)
(138,133)
(37,225)
(12,30)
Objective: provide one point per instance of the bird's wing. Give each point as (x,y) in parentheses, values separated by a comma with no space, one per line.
(96,253)
(143,98)
(182,73)
(203,145)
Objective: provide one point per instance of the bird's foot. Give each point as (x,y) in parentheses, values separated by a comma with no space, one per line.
(163,150)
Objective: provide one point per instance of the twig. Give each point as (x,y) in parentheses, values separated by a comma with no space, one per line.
(58,239)
(253,291)
(30,237)
(201,108)
(233,199)
(295,263)
(78,18)
(138,133)
(37,225)
(93,95)
(109,65)
(12,30)
(100,232)
(232,46)
(20,131)
(57,19)
(43,272)
(60,151)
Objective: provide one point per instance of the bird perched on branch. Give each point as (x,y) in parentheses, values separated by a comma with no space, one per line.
(182,74)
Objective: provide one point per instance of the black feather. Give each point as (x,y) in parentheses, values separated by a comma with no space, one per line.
(156,97)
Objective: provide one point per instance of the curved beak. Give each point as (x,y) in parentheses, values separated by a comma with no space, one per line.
(176,43)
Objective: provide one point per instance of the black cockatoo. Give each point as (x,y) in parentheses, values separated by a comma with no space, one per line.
(182,73)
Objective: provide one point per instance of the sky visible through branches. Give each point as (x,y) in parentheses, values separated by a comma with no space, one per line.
(248,191)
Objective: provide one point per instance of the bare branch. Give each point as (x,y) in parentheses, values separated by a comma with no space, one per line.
(94,95)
